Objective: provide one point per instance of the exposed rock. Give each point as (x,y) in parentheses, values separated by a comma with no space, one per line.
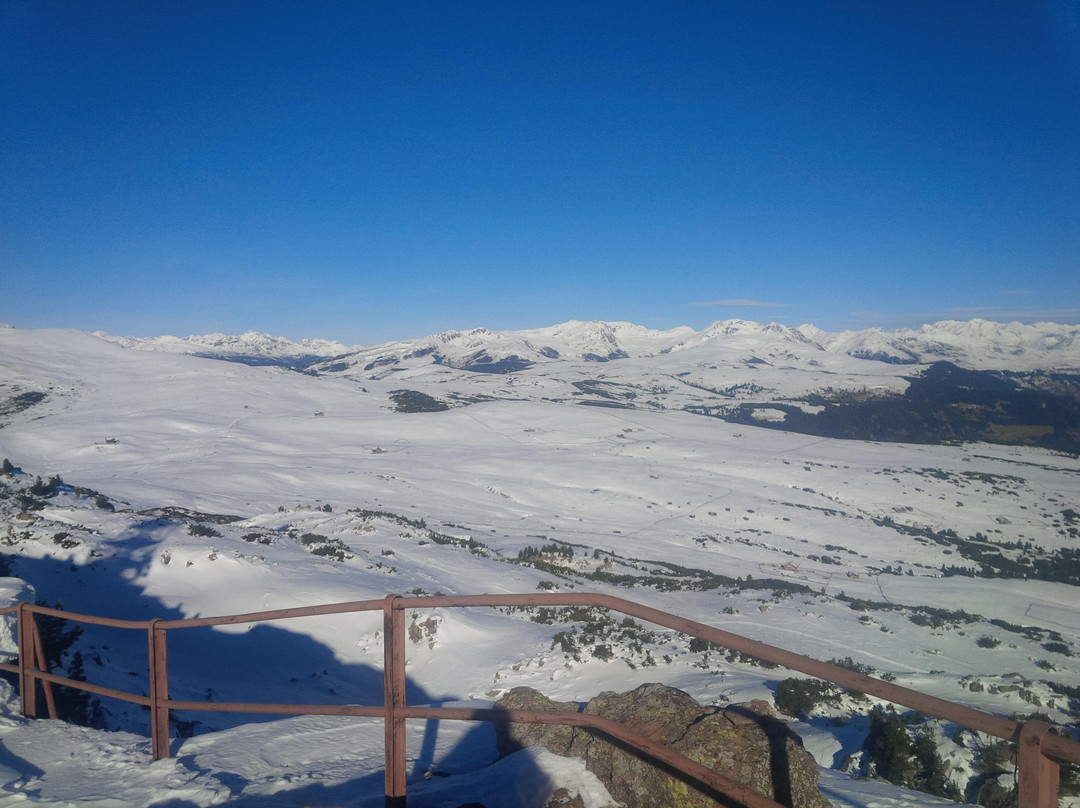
(553,737)
(745,742)
(564,799)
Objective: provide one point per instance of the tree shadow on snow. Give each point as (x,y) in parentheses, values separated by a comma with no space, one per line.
(265,663)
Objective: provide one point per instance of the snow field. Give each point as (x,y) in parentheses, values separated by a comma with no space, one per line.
(645,489)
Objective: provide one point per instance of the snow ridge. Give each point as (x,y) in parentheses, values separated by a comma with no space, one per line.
(975,344)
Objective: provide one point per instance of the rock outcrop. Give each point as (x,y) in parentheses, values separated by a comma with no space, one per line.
(745,742)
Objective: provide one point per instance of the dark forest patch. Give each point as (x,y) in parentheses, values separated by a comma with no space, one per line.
(415,401)
(945,404)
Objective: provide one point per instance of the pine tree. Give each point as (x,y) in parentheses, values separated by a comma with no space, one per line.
(71,704)
(890,747)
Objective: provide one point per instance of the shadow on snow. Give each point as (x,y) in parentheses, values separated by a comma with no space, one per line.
(265,664)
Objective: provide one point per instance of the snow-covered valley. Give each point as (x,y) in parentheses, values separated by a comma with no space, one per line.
(192,486)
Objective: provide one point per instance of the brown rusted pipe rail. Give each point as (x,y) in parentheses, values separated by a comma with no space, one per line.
(42,664)
(159,689)
(27,660)
(100,690)
(1038,777)
(277,614)
(394,747)
(1041,749)
(967,716)
(1057,747)
(112,622)
(976,719)
(359,710)
(195,622)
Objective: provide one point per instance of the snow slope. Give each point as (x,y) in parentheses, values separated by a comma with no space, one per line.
(334,495)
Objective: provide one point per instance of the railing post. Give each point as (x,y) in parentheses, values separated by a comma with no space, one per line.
(1038,775)
(394,700)
(159,691)
(27,655)
(42,664)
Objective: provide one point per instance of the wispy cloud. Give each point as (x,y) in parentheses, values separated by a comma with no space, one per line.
(739,302)
(1018,292)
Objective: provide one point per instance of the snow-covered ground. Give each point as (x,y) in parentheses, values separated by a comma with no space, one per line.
(332,495)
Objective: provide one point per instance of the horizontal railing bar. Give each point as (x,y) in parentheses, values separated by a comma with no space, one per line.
(111,622)
(701,773)
(276,614)
(967,716)
(194,622)
(122,695)
(361,710)
(9,668)
(1061,749)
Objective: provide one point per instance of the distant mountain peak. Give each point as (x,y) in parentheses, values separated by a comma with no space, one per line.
(976,344)
(250,347)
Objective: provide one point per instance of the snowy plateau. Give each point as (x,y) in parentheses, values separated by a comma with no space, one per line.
(905,503)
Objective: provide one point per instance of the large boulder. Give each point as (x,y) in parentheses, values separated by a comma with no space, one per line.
(745,742)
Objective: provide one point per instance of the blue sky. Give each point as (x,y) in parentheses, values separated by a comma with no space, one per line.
(374,171)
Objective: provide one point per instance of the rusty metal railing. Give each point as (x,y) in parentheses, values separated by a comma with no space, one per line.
(1040,750)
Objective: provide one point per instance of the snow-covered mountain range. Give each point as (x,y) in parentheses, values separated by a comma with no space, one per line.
(179,485)
(850,384)
(976,344)
(251,347)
